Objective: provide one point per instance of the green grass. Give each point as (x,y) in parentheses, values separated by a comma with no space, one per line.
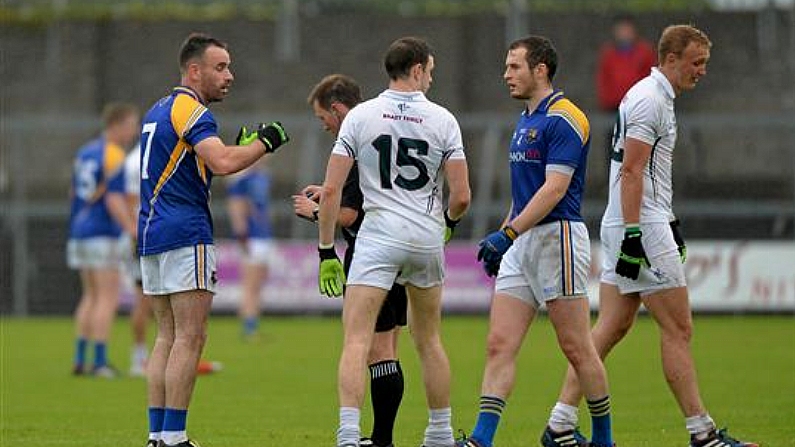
(282,392)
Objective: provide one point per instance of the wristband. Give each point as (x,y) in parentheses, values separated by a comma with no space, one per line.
(510,232)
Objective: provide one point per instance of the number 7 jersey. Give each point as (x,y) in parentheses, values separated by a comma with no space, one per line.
(401,141)
(175,182)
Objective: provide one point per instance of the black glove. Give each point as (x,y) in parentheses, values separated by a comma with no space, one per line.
(449,228)
(632,256)
(680,241)
(272,136)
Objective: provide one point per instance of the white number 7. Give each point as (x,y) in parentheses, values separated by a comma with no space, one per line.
(148,133)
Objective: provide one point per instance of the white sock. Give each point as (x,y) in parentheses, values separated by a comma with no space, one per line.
(699,426)
(348,433)
(440,431)
(140,352)
(138,357)
(563,417)
(155,435)
(174,437)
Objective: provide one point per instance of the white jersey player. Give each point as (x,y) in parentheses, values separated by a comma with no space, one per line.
(403,144)
(642,249)
(401,140)
(646,114)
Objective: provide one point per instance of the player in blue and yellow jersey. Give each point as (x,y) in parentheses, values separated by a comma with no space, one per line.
(249,214)
(180,152)
(98,216)
(542,253)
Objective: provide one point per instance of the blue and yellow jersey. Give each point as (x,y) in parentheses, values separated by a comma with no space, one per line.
(254,187)
(97,170)
(556,133)
(175,182)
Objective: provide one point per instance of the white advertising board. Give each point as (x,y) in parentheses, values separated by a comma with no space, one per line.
(723,276)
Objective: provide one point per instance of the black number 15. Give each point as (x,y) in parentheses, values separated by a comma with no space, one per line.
(383,144)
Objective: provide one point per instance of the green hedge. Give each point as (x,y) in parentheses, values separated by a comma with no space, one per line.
(45,10)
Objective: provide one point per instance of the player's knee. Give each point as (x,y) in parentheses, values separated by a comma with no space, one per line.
(608,334)
(499,345)
(679,332)
(192,340)
(576,352)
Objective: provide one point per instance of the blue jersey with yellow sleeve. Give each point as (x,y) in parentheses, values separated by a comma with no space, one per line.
(97,170)
(175,182)
(254,187)
(556,135)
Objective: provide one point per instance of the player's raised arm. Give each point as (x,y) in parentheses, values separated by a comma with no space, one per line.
(251,145)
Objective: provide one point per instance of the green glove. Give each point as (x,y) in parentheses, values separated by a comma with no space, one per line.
(245,137)
(272,136)
(331,275)
(449,226)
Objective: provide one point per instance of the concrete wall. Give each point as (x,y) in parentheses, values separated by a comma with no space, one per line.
(55,79)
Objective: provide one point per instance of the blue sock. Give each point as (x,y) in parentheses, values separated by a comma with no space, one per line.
(156,417)
(100,354)
(489,416)
(174,419)
(80,351)
(602,432)
(250,325)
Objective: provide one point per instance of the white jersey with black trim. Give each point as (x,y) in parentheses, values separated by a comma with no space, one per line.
(401,141)
(646,114)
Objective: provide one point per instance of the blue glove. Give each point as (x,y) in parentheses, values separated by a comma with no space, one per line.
(493,246)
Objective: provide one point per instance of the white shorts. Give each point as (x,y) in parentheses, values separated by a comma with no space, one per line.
(179,270)
(261,252)
(94,252)
(547,262)
(378,265)
(666,271)
(130,261)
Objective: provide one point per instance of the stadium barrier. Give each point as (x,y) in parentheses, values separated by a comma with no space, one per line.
(723,277)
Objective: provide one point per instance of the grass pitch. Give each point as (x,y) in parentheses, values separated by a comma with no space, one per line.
(281,391)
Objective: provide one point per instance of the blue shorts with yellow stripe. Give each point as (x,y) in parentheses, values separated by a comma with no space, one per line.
(179,270)
(547,262)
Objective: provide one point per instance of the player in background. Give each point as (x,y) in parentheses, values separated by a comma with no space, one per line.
(542,253)
(643,250)
(248,194)
(180,153)
(139,314)
(331,100)
(98,215)
(405,146)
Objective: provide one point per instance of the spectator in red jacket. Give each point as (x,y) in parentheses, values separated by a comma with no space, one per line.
(622,62)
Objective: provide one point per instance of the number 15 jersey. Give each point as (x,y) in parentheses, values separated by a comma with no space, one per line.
(401,141)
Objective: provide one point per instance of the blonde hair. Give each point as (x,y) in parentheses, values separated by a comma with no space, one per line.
(117,112)
(675,38)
